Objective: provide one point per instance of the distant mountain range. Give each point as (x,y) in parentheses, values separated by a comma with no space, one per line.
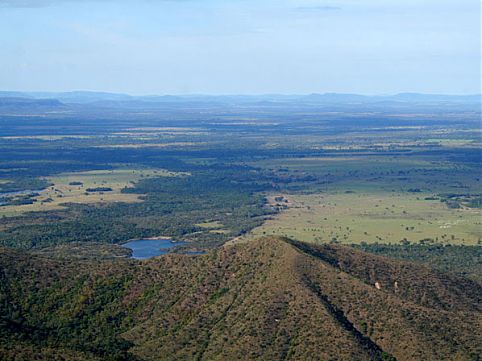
(27,102)
(104,98)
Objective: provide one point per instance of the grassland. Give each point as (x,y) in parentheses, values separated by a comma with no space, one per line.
(215,227)
(374,199)
(73,188)
(372,217)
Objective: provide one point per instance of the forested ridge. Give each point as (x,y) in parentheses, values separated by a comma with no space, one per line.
(318,302)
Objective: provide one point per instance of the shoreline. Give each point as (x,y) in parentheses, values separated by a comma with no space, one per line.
(157,238)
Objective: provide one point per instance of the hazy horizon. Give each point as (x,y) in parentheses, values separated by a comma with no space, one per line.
(80,91)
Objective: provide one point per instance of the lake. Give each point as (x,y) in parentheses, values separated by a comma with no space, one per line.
(147,248)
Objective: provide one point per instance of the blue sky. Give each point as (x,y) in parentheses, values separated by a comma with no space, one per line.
(241,46)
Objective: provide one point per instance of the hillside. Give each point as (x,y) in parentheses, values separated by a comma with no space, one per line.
(28,103)
(269,299)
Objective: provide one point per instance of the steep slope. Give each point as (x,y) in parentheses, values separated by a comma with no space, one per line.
(416,314)
(271,299)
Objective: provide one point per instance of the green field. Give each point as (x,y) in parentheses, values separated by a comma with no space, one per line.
(373,217)
(375,199)
(62,191)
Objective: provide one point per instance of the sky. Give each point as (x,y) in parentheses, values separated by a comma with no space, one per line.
(145,47)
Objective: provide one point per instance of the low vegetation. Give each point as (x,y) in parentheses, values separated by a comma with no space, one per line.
(375,217)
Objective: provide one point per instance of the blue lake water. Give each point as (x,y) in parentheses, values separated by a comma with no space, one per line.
(147,248)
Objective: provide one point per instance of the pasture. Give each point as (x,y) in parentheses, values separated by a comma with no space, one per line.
(374,199)
(80,187)
(372,217)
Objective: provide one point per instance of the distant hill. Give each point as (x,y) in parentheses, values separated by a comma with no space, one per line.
(14,94)
(118,99)
(271,299)
(402,97)
(82,97)
(476,98)
(14,102)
